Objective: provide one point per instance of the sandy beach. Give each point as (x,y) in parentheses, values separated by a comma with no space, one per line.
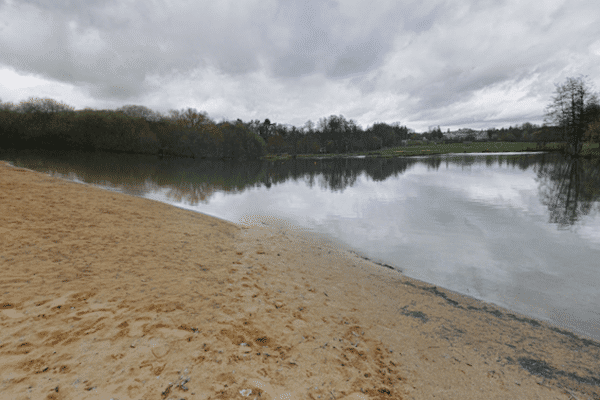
(109,296)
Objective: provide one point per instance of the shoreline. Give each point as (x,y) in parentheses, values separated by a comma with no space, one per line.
(503,308)
(170,301)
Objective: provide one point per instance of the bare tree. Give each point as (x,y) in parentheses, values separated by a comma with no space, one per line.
(34,104)
(6,106)
(140,112)
(190,118)
(570,110)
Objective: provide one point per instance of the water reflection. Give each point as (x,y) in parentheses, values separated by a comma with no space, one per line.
(568,187)
(519,230)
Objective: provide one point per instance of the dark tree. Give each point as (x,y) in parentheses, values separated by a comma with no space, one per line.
(136,111)
(571,110)
(266,129)
(385,133)
(592,133)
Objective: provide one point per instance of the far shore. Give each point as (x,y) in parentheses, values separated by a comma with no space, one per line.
(434,148)
(105,295)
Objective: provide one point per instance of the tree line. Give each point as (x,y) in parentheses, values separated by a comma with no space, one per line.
(333,134)
(50,125)
(572,117)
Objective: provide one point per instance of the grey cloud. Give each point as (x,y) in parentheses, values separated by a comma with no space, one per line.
(455,85)
(464,74)
(358,58)
(116,64)
(325,39)
(416,60)
(478,116)
(294,65)
(132,43)
(423,17)
(144,38)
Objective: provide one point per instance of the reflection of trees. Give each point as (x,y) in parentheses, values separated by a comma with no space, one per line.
(338,175)
(433,163)
(569,187)
(183,179)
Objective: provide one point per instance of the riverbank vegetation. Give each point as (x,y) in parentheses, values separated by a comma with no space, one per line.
(574,127)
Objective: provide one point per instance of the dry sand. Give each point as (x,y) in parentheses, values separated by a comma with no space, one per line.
(108,296)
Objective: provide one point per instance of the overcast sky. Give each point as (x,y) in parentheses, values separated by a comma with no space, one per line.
(455,63)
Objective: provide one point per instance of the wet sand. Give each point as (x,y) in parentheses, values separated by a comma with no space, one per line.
(104,295)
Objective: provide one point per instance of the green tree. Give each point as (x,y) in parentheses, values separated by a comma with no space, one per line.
(571,110)
(334,129)
(437,134)
(385,133)
(544,135)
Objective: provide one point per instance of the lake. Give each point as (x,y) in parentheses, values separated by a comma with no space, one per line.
(518,230)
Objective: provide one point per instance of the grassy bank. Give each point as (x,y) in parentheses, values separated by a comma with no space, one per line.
(589,150)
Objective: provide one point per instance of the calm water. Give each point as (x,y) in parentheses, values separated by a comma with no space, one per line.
(521,231)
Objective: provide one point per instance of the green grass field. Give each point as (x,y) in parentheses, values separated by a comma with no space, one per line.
(475,147)
(590,150)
